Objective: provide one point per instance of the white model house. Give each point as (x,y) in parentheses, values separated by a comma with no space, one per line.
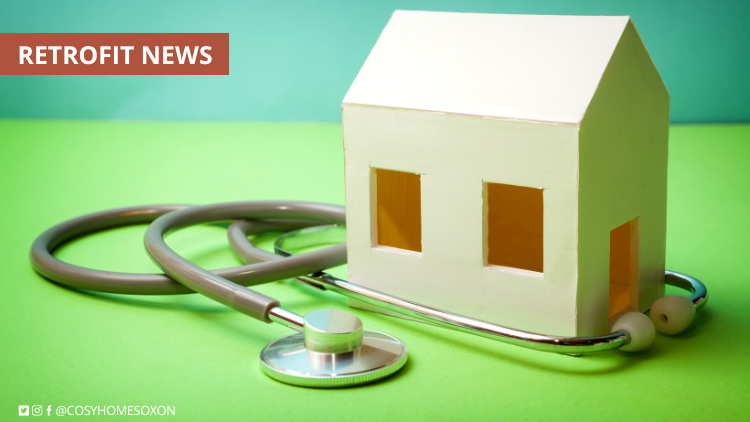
(511,168)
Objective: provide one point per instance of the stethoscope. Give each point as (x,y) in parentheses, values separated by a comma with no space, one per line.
(331,348)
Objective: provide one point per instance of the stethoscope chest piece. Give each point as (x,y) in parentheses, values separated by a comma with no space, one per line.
(333,351)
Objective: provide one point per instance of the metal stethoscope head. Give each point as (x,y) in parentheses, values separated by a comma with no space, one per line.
(331,347)
(333,350)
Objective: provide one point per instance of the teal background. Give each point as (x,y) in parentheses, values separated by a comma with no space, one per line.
(294,60)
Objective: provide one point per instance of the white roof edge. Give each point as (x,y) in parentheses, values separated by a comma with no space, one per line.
(514,14)
(449,113)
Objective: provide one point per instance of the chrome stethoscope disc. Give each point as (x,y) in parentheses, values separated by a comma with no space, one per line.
(287,360)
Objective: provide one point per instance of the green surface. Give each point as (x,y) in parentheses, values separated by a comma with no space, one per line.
(294,60)
(64,347)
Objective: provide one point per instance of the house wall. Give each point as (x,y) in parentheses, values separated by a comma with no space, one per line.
(623,175)
(455,155)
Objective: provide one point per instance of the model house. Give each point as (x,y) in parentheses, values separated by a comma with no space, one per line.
(511,168)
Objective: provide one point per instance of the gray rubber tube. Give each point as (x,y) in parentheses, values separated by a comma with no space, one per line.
(314,261)
(103,281)
(220,289)
(45,263)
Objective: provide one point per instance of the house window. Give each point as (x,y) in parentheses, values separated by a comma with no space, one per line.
(399,210)
(514,226)
(623,268)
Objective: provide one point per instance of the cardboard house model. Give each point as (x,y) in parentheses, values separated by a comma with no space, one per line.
(511,168)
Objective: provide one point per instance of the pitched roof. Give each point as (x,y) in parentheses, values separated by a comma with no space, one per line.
(517,67)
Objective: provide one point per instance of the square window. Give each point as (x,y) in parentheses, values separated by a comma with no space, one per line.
(514,226)
(399,209)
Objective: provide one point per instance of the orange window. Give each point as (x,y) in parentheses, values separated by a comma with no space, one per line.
(515,229)
(399,209)
(623,268)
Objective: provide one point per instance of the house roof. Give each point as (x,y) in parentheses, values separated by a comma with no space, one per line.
(516,67)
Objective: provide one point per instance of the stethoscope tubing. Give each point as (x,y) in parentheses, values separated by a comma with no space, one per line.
(181,276)
(237,297)
(540,342)
(52,268)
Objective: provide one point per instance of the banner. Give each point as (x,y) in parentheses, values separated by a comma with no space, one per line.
(114,54)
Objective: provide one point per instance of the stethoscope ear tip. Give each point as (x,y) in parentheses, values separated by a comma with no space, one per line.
(333,351)
(669,315)
(672,314)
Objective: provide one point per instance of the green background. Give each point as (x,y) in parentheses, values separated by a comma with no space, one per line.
(59,346)
(293,60)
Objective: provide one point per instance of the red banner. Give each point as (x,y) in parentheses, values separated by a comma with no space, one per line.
(114,54)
